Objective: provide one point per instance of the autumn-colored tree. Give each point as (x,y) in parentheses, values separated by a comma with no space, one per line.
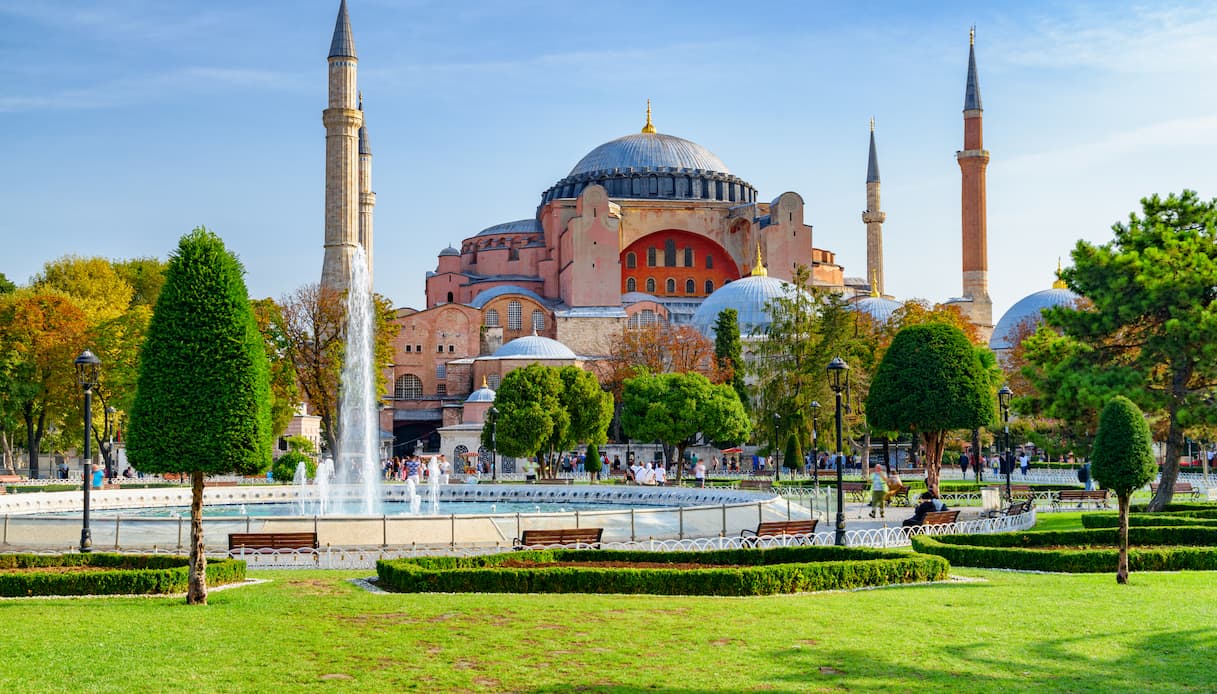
(146,277)
(92,283)
(284,393)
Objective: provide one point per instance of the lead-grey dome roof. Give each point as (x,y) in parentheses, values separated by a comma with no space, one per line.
(879,308)
(1029,308)
(533,347)
(520,226)
(748,296)
(483,394)
(653,150)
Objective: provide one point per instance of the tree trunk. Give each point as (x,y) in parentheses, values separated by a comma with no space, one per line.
(6,445)
(1170,462)
(933,458)
(1122,562)
(680,462)
(196,594)
(33,434)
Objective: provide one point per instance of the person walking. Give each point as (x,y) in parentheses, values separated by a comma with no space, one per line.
(878,491)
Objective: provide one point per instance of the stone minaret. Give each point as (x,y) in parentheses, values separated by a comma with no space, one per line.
(367,199)
(973,160)
(342,121)
(873,217)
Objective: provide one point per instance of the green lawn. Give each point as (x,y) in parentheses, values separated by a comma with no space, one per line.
(305,631)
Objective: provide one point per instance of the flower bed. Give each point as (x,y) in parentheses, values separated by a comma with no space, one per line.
(105,574)
(723,572)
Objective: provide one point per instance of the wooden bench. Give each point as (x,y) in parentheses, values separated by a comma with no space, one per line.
(856,491)
(10,479)
(899,495)
(940,518)
(220,483)
(270,542)
(911,471)
(577,537)
(799,530)
(556,480)
(1180,488)
(1018,491)
(762,484)
(1097,497)
(1016,508)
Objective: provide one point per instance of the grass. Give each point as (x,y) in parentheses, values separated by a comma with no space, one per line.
(313,631)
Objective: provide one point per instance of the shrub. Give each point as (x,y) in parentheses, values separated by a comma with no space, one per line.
(728,572)
(129,574)
(284,469)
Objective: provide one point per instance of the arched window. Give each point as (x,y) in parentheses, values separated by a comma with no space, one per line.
(650,285)
(670,286)
(651,257)
(408,387)
(690,287)
(631,260)
(515,317)
(631,285)
(493,381)
(449,297)
(538,321)
(669,253)
(709,286)
(688,256)
(492,319)
(643,318)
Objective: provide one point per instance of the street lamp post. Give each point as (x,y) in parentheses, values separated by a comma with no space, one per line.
(777,463)
(493,412)
(815,442)
(88,369)
(1003,398)
(837,369)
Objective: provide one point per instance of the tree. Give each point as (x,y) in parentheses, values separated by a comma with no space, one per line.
(794,455)
(6,286)
(590,408)
(682,409)
(531,415)
(931,381)
(592,461)
(284,394)
(146,277)
(1151,330)
(203,402)
(1123,461)
(92,283)
(729,352)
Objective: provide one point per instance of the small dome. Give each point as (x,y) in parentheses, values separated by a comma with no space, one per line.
(879,308)
(653,150)
(483,394)
(520,226)
(1029,308)
(748,296)
(449,251)
(533,347)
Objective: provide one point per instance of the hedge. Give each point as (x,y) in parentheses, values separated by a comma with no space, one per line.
(1136,520)
(1188,548)
(751,572)
(131,574)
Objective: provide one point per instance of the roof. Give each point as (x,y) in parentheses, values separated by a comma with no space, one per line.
(877,307)
(533,347)
(365,146)
(449,251)
(343,44)
(1029,308)
(520,226)
(653,150)
(749,297)
(872,164)
(486,295)
(483,394)
(971,97)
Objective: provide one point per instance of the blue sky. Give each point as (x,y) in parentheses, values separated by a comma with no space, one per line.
(128,122)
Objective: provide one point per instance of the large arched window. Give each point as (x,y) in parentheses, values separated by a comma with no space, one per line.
(492,319)
(538,320)
(670,286)
(690,287)
(408,387)
(650,285)
(709,286)
(631,285)
(631,260)
(515,316)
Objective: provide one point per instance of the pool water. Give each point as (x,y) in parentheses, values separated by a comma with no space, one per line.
(391,508)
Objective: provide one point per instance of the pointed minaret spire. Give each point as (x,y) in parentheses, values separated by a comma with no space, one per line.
(649,128)
(971,97)
(873,217)
(343,44)
(872,164)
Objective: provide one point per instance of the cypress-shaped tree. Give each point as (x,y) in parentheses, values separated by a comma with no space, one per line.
(729,352)
(202,404)
(1122,460)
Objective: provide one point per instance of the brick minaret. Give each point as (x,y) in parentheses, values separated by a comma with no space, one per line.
(367,198)
(342,121)
(973,160)
(873,217)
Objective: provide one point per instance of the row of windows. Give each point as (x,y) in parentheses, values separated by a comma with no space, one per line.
(669,257)
(439,349)
(410,387)
(631,285)
(515,317)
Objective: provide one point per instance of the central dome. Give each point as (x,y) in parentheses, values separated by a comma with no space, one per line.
(649,150)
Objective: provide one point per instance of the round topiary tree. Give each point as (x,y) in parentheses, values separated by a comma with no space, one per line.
(1122,460)
(591,461)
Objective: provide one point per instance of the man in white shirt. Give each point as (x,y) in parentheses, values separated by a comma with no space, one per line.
(647,475)
(699,473)
(660,476)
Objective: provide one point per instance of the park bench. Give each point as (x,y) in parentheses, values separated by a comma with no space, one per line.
(799,530)
(1180,489)
(855,491)
(911,471)
(1095,497)
(8,479)
(577,537)
(764,485)
(1016,508)
(1019,491)
(220,483)
(899,495)
(940,518)
(270,542)
(556,480)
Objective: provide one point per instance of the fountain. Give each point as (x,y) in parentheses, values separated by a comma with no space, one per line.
(325,476)
(433,486)
(300,479)
(412,495)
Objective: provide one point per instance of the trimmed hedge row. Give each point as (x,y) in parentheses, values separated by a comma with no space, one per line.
(1188,548)
(1141,520)
(130,574)
(751,572)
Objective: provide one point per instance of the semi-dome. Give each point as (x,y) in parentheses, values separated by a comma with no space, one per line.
(520,226)
(748,296)
(533,347)
(879,308)
(1029,309)
(649,150)
(486,295)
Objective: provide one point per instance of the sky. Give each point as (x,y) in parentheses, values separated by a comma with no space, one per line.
(126,123)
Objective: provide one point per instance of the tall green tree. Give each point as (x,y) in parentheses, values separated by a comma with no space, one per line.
(6,286)
(146,277)
(590,408)
(1150,332)
(729,352)
(203,402)
(930,382)
(681,410)
(532,418)
(1123,461)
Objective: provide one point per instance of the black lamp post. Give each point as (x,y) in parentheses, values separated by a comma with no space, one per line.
(493,414)
(777,462)
(815,441)
(837,369)
(1003,399)
(88,369)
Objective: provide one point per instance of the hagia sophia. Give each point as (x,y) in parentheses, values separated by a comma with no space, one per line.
(645,228)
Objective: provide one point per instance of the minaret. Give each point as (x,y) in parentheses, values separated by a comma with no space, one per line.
(873,217)
(342,121)
(367,199)
(973,160)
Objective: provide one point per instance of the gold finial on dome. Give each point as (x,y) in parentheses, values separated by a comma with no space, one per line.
(874,281)
(759,270)
(649,127)
(1059,283)
(485,384)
